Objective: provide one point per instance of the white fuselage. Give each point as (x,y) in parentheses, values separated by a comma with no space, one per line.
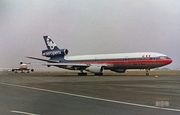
(139,60)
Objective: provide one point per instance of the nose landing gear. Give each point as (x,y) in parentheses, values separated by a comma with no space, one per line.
(147,72)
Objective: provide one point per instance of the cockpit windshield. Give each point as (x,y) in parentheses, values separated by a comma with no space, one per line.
(164,57)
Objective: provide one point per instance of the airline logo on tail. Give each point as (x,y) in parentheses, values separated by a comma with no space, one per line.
(50,43)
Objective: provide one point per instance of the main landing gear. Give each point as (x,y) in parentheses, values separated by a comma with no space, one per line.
(82,73)
(98,74)
(147,72)
(85,74)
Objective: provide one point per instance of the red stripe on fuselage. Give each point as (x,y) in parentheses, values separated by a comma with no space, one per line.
(126,62)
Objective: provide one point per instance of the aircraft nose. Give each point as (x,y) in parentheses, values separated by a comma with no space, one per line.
(169,61)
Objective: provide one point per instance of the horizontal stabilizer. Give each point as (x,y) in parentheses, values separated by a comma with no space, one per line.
(72,64)
(66,64)
(50,61)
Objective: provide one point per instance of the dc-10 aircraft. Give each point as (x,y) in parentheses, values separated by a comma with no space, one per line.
(22,68)
(118,62)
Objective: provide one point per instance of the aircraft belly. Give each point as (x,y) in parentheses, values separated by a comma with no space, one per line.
(137,66)
(71,67)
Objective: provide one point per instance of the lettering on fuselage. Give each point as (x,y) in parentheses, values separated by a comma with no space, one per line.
(51,53)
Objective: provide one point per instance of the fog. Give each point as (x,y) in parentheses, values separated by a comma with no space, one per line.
(89,27)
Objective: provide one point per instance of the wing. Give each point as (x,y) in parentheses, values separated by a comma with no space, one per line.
(72,66)
(40,59)
(17,69)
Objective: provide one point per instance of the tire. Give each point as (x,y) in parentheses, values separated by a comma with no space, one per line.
(98,74)
(147,74)
(82,74)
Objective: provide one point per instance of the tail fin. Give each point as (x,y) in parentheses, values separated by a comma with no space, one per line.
(52,49)
(49,43)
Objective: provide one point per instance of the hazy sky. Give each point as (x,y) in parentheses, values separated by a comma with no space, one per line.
(89,27)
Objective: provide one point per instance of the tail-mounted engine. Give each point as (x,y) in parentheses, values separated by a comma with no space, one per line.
(52,53)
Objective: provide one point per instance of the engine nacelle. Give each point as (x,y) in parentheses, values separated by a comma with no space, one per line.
(119,70)
(51,53)
(94,69)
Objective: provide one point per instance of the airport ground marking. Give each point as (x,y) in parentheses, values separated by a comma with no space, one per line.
(24,113)
(94,98)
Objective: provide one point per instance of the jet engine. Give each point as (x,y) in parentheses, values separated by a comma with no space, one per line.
(94,69)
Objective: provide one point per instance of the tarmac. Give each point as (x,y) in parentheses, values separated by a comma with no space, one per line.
(131,93)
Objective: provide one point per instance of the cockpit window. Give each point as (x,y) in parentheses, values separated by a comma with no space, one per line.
(167,57)
(164,57)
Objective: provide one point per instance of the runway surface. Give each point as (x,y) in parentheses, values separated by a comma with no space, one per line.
(49,93)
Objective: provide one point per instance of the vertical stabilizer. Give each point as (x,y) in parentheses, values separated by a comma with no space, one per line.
(52,50)
(49,43)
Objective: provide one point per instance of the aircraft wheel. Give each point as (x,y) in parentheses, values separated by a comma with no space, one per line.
(98,74)
(147,72)
(82,74)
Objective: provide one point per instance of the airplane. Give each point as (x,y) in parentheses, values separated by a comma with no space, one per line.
(118,62)
(23,67)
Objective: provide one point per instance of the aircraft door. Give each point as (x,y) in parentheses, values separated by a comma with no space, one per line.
(126,59)
(125,65)
(154,58)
